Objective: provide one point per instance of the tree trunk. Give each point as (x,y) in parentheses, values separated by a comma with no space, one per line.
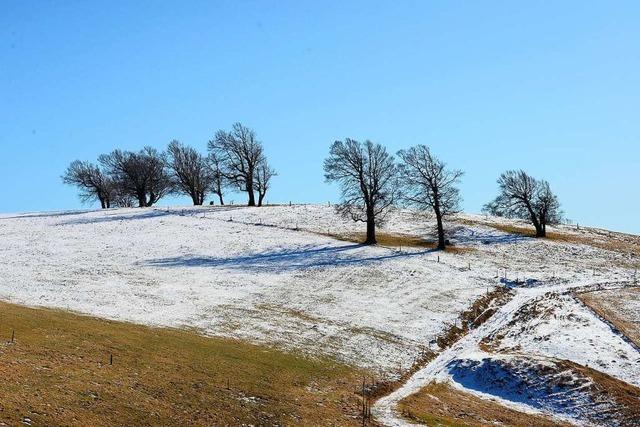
(142,200)
(540,231)
(103,204)
(543,230)
(249,189)
(441,241)
(221,200)
(252,198)
(371,230)
(260,198)
(195,199)
(534,219)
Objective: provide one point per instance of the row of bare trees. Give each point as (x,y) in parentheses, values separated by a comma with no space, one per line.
(235,160)
(370,179)
(371,182)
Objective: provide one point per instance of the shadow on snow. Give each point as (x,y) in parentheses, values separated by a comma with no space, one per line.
(48,214)
(300,258)
(544,386)
(116,217)
(464,235)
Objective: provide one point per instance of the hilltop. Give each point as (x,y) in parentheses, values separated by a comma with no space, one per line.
(295,278)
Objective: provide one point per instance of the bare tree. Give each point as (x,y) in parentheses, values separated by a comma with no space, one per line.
(428,184)
(190,172)
(264,173)
(367,177)
(218,181)
(122,199)
(240,154)
(94,184)
(547,206)
(142,175)
(523,196)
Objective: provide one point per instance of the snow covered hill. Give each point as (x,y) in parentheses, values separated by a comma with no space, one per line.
(275,275)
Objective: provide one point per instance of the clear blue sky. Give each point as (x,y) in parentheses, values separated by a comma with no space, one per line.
(550,87)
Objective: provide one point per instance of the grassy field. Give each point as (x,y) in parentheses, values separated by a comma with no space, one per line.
(57,371)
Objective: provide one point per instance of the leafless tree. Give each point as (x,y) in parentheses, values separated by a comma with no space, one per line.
(264,173)
(122,199)
(368,181)
(240,154)
(93,183)
(547,206)
(218,180)
(142,175)
(189,170)
(428,184)
(523,196)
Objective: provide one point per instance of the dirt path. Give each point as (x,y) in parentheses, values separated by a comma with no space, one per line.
(384,409)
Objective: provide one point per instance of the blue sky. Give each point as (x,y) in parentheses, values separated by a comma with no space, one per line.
(550,87)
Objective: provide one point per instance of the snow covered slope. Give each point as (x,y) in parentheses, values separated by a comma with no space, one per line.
(273,275)
(373,306)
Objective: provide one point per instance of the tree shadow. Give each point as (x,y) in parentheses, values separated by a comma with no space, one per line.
(281,260)
(116,217)
(517,283)
(465,235)
(49,214)
(114,214)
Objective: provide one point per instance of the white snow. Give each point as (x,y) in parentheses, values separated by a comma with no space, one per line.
(373,306)
(568,330)
(271,276)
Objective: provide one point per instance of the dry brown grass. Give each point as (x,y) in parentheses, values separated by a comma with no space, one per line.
(607,304)
(602,239)
(397,240)
(610,243)
(57,372)
(604,387)
(441,405)
(481,310)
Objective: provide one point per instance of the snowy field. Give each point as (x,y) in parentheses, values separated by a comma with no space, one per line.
(376,307)
(274,276)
